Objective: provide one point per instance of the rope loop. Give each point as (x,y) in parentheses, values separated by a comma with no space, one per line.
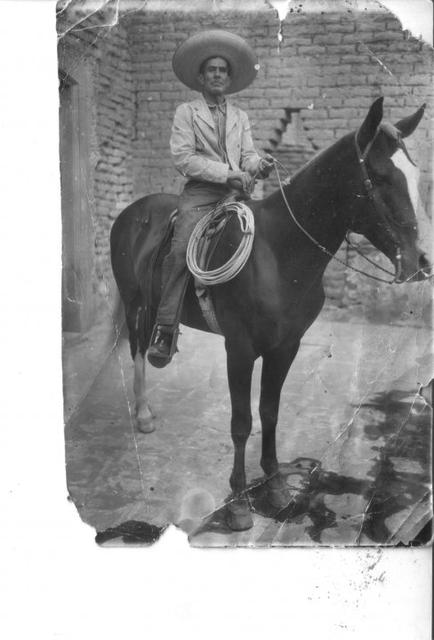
(196,256)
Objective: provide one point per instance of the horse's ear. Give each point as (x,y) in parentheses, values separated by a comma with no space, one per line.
(409,124)
(370,124)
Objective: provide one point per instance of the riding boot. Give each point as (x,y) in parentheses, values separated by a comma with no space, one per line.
(195,202)
(165,334)
(163,345)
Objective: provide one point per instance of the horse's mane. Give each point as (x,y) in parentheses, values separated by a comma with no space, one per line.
(387,128)
(312,163)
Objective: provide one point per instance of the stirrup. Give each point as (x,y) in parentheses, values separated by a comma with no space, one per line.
(162,361)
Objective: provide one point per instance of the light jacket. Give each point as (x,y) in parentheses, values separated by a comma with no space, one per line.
(194,144)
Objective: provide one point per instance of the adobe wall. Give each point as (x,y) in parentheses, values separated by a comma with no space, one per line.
(328,68)
(105,54)
(326,71)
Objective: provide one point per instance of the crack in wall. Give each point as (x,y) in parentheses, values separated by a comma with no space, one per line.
(281,11)
(382,64)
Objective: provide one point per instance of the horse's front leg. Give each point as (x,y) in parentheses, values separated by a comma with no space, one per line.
(275,368)
(240,363)
(144,416)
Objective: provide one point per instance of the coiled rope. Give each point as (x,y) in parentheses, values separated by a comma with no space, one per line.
(236,262)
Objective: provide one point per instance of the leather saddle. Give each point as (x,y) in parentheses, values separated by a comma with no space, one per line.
(206,248)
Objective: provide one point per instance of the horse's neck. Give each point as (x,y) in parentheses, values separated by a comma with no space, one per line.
(314,214)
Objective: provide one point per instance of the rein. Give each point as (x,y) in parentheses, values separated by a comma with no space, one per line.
(367,182)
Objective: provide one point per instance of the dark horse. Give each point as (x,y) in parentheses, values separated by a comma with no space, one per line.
(267,308)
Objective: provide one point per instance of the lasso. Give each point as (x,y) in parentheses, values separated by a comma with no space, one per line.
(236,262)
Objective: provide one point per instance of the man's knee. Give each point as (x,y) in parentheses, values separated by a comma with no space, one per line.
(184,226)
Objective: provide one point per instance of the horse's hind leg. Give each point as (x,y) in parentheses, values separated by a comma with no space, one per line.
(240,367)
(138,345)
(144,416)
(275,368)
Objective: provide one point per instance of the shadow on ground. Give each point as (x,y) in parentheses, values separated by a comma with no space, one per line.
(397,483)
(309,483)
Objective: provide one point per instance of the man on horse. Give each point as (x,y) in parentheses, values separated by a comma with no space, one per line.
(211,146)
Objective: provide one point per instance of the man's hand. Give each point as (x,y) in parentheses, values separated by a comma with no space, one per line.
(266,165)
(239,180)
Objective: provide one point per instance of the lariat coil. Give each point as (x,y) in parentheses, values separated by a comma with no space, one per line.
(196,257)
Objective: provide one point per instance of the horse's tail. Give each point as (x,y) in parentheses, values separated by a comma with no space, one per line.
(135,239)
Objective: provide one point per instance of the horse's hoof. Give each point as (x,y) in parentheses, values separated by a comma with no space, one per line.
(145,422)
(278,493)
(278,499)
(238,516)
(145,425)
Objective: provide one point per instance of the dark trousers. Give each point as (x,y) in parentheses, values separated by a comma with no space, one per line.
(197,199)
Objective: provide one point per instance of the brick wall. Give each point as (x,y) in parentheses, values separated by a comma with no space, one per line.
(105,53)
(116,130)
(340,62)
(327,69)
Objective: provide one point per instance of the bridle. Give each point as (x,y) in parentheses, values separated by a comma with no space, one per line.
(369,187)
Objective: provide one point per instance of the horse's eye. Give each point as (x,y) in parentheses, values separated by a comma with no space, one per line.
(382,180)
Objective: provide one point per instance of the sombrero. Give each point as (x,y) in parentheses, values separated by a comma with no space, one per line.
(195,50)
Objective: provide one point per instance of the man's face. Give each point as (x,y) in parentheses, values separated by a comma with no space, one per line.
(215,77)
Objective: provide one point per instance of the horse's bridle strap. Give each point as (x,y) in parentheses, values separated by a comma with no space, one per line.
(367,182)
(370,189)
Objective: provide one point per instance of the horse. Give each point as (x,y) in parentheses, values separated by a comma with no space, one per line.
(354,185)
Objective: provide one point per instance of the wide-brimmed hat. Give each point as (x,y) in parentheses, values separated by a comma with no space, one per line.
(189,56)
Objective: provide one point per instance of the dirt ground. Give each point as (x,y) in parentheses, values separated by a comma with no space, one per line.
(354,439)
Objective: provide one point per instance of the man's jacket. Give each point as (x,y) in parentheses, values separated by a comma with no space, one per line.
(194,144)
